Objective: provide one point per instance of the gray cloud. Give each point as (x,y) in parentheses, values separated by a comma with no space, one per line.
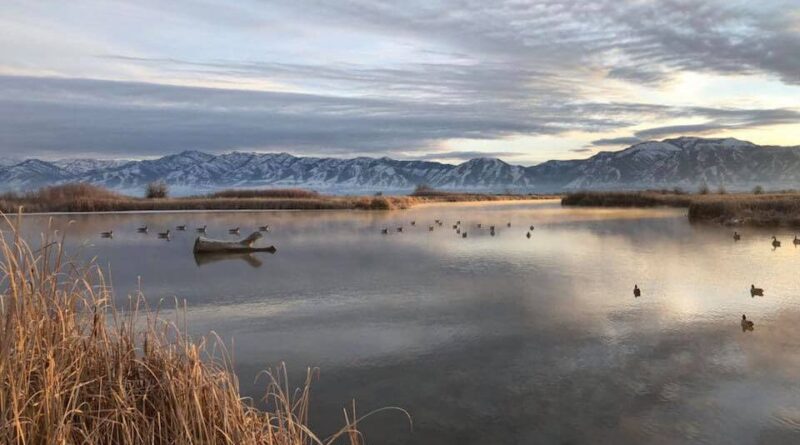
(723,119)
(730,36)
(467,155)
(616,141)
(56,115)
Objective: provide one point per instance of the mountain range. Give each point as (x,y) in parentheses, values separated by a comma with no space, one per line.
(686,162)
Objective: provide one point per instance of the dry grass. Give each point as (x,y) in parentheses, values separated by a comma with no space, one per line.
(627,199)
(265,193)
(88,198)
(76,370)
(768,209)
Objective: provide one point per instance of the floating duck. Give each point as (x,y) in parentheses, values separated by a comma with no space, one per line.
(636,291)
(201,229)
(264,228)
(385,231)
(531,227)
(464,235)
(164,235)
(775,242)
(528,234)
(796,240)
(109,234)
(508,224)
(430,228)
(736,236)
(756,291)
(142,229)
(413,223)
(747,325)
(181,228)
(234,231)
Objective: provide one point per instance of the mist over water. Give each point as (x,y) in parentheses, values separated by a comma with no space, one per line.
(490,339)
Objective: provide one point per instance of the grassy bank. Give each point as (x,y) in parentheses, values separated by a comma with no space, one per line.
(76,370)
(763,209)
(626,199)
(88,198)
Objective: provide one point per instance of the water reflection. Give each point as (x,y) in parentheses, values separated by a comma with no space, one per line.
(492,339)
(250,259)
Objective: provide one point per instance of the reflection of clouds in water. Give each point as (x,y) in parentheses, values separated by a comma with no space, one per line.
(495,339)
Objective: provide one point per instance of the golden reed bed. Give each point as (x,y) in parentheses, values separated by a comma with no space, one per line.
(75,369)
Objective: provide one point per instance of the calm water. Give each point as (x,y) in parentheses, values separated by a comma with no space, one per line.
(493,340)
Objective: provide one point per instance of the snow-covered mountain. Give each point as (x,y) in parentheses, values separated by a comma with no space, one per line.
(683,162)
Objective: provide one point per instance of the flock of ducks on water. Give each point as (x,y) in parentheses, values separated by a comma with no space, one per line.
(459,228)
(747,325)
(181,228)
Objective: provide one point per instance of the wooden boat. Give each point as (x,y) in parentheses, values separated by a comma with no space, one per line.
(205,245)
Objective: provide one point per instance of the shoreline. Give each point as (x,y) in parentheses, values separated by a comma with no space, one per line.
(88,199)
(728,209)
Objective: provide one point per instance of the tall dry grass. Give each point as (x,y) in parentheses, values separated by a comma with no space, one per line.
(75,369)
(90,198)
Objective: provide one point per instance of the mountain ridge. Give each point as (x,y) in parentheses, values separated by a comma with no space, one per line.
(678,162)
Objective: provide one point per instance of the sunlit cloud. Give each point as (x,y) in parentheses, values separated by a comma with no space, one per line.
(522,80)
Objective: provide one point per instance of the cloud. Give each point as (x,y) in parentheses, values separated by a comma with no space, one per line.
(616,141)
(581,150)
(467,155)
(724,120)
(722,36)
(51,114)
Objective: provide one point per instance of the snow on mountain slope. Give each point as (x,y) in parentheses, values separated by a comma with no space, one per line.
(685,162)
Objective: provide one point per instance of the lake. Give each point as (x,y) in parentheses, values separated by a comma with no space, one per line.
(491,339)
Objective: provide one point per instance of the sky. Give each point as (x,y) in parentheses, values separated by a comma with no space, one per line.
(446,80)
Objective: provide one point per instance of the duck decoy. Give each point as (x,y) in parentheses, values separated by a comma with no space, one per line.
(464,235)
(636,291)
(181,228)
(531,227)
(385,231)
(775,242)
(201,229)
(234,231)
(109,234)
(164,235)
(400,229)
(756,291)
(142,229)
(796,240)
(264,228)
(528,234)
(747,325)
(736,236)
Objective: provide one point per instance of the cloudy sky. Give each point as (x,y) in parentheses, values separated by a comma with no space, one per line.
(524,80)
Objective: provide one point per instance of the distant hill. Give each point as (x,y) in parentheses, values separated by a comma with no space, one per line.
(685,162)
